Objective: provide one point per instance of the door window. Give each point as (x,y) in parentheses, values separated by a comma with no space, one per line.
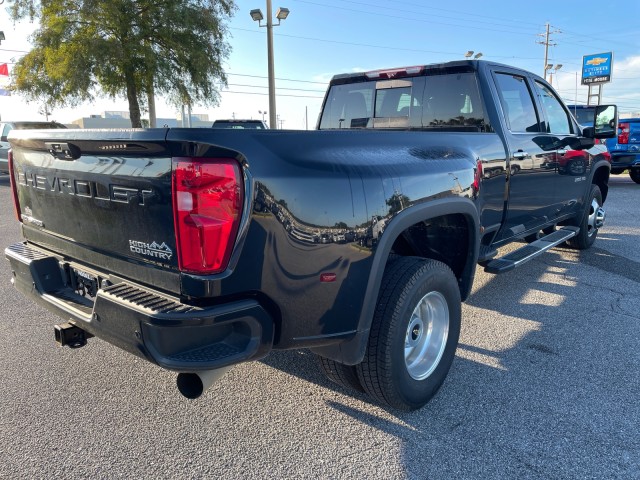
(557,118)
(517,103)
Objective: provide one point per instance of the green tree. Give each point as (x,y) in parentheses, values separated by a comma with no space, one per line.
(123,48)
(397,202)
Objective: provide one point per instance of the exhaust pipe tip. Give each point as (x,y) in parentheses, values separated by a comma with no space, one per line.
(192,385)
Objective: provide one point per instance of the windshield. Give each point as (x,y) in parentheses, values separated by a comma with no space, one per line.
(442,102)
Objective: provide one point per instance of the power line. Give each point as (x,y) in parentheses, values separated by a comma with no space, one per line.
(367,12)
(283,79)
(520,22)
(475,16)
(266,94)
(278,88)
(411,12)
(368,45)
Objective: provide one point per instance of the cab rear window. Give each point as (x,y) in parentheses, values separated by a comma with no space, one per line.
(436,102)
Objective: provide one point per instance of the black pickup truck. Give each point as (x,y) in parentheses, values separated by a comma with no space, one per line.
(199,249)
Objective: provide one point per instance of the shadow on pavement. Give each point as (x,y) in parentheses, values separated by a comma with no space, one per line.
(542,385)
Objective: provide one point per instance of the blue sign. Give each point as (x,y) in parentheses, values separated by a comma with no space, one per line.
(597,68)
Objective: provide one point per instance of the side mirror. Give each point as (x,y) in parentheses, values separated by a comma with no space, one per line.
(605,121)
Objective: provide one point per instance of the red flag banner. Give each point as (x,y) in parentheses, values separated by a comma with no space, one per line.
(4,69)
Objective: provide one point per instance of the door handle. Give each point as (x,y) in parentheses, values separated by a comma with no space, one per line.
(520,155)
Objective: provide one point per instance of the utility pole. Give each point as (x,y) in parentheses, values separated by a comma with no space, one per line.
(547,43)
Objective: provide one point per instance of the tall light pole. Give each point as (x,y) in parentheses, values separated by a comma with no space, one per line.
(257,16)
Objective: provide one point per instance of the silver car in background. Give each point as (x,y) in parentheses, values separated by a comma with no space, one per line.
(6,127)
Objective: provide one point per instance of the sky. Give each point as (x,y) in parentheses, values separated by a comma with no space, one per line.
(321,38)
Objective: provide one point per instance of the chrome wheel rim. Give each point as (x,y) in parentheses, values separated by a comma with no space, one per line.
(426,336)
(596,217)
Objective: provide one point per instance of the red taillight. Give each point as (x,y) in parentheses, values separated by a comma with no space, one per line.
(14,186)
(623,134)
(207,203)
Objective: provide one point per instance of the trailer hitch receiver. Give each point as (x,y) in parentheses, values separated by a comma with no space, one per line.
(69,335)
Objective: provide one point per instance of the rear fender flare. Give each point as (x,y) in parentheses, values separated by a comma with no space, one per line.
(352,351)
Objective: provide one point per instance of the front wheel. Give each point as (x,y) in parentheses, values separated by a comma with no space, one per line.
(634,173)
(591,220)
(414,333)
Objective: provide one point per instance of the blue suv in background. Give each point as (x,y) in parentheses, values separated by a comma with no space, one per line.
(624,149)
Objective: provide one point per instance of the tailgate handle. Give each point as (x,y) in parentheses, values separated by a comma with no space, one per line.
(63,150)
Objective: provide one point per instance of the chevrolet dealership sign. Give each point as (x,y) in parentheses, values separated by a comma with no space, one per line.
(597,68)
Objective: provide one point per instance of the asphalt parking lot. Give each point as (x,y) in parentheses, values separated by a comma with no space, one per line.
(545,385)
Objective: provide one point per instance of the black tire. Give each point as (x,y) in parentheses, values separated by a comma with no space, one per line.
(390,372)
(344,375)
(634,173)
(589,221)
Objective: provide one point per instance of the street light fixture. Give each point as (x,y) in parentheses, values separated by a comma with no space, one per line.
(549,67)
(256,16)
(468,54)
(477,55)
(282,14)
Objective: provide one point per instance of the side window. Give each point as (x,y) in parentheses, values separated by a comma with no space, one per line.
(452,101)
(517,103)
(557,117)
(348,106)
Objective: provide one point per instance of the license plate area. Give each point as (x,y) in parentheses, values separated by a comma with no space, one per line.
(84,283)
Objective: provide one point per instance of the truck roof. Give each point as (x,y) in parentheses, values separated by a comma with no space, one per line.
(415,70)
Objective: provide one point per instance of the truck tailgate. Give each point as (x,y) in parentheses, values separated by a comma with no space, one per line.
(90,194)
